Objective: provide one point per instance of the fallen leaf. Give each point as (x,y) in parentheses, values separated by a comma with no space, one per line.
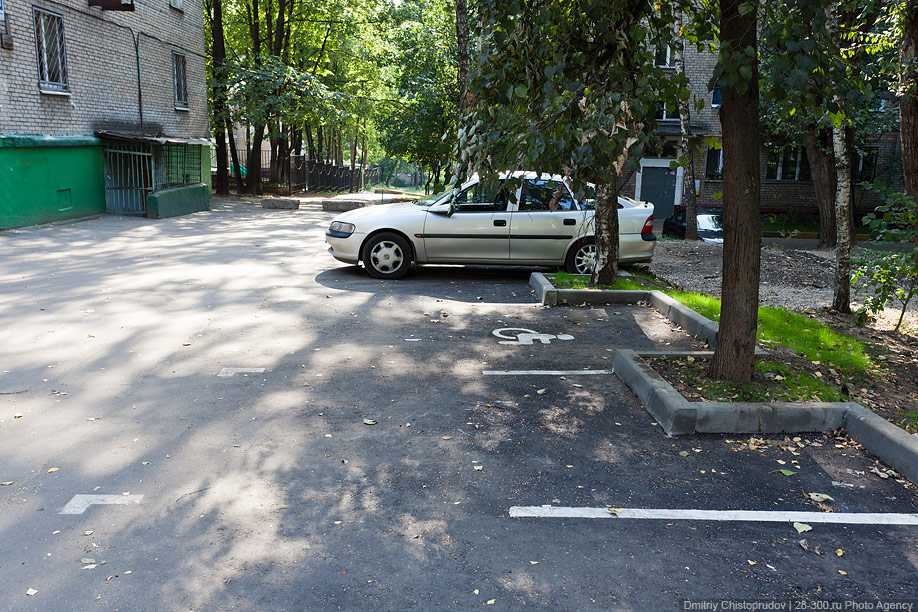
(6,484)
(843,572)
(328,435)
(87,533)
(128,572)
(370,421)
(18,415)
(478,468)
(446,438)
(52,470)
(802,527)
(86,560)
(475,591)
(89,567)
(39,509)
(839,552)
(31,592)
(533,563)
(490,602)
(342,572)
(782,461)
(785,472)
(542,391)
(683,453)
(750,562)
(820,497)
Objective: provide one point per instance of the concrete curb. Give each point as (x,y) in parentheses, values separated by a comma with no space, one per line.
(678,416)
(280,203)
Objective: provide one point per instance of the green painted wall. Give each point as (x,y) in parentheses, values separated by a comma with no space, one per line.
(205,169)
(49,181)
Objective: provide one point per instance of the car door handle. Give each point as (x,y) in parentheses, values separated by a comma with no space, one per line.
(500,223)
(570,222)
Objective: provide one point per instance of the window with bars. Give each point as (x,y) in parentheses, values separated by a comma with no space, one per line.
(49,45)
(177,165)
(664,55)
(179,81)
(714,164)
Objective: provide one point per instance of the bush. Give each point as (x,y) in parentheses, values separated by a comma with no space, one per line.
(889,276)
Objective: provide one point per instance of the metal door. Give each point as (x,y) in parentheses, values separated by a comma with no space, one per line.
(658,185)
(128,178)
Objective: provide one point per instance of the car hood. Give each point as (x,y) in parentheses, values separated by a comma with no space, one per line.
(375,212)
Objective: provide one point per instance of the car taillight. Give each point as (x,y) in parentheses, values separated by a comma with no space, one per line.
(648,226)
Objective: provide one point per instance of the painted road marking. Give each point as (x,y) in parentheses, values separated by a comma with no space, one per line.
(768,516)
(80,503)
(526,336)
(543,372)
(231,371)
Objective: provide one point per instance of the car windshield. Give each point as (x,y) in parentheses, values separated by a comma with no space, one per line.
(710,222)
(431,199)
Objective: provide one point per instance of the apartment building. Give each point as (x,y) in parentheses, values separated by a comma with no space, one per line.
(103,108)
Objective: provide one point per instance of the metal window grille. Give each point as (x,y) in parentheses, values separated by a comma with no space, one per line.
(179,80)
(177,165)
(49,44)
(128,177)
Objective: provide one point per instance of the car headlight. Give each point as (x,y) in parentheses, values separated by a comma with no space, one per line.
(341,228)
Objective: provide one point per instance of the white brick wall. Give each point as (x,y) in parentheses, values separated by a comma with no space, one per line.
(102,70)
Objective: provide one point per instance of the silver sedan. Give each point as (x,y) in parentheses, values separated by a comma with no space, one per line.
(542,224)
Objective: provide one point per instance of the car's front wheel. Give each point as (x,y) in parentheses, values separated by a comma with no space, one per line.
(387,255)
(582,258)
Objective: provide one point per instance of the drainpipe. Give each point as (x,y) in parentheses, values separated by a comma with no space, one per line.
(136,38)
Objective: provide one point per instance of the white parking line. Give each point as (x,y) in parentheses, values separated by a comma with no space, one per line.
(766,516)
(231,371)
(543,372)
(80,503)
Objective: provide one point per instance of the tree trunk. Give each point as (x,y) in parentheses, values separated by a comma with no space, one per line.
(685,127)
(220,94)
(822,167)
(605,219)
(842,299)
(734,355)
(253,165)
(462,49)
(354,157)
(234,155)
(908,102)
(363,155)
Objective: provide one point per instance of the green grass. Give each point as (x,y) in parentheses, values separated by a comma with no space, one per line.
(565,280)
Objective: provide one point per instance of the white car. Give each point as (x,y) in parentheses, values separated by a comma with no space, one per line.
(487,226)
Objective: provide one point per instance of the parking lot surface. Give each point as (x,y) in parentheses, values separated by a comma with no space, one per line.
(282,432)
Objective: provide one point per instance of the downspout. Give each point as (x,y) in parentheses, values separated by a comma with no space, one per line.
(136,38)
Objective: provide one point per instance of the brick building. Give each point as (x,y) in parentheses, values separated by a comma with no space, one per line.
(102,108)
(787,185)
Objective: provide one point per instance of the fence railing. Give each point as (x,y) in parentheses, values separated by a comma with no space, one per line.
(297,173)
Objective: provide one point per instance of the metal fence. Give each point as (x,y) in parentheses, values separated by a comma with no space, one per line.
(297,173)
(134,170)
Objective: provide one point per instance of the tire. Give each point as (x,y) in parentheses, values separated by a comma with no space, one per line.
(387,255)
(582,258)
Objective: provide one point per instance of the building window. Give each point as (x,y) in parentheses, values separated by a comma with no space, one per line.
(664,55)
(716,96)
(176,4)
(179,81)
(177,165)
(714,166)
(49,44)
(666,115)
(865,168)
(788,165)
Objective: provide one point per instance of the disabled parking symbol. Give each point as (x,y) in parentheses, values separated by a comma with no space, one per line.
(520,336)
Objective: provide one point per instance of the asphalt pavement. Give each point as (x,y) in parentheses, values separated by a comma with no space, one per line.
(264,428)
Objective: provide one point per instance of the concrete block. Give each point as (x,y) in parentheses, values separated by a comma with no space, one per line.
(342,205)
(280,203)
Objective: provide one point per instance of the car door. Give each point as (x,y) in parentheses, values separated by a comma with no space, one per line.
(477,231)
(541,229)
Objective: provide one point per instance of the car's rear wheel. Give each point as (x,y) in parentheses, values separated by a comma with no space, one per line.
(387,255)
(582,258)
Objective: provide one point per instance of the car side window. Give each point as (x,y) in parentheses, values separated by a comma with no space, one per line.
(484,196)
(538,194)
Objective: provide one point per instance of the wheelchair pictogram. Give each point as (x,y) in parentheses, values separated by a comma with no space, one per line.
(519,336)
